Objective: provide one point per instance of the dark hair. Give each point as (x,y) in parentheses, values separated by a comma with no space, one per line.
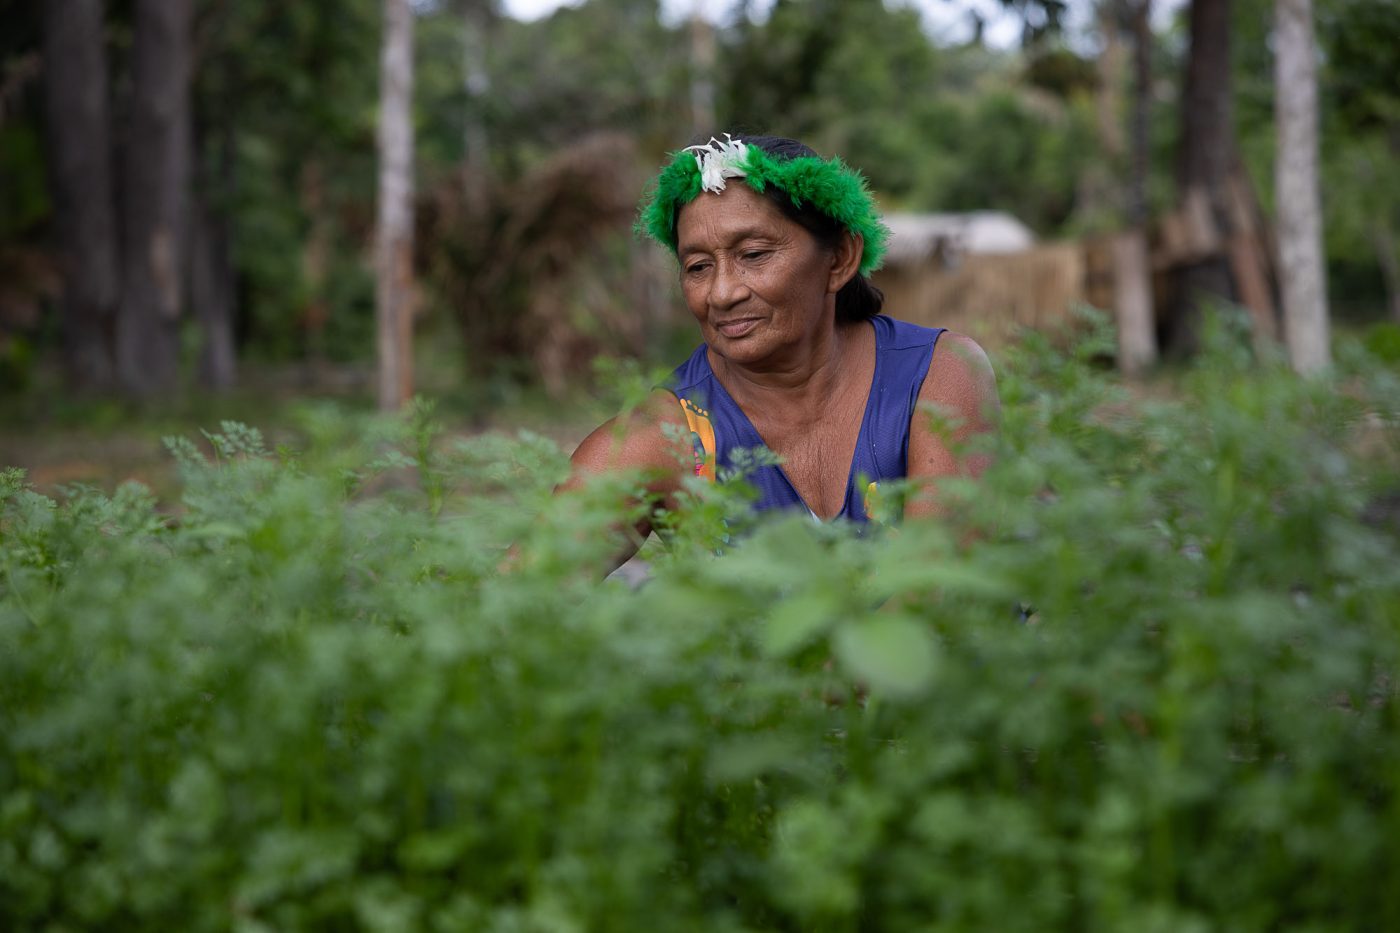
(858,299)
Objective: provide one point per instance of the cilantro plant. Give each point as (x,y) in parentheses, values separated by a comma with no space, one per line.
(1142,677)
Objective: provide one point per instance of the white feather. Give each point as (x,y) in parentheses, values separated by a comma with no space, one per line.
(720,160)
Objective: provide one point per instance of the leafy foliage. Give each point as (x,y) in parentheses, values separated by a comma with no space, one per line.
(285,97)
(1142,676)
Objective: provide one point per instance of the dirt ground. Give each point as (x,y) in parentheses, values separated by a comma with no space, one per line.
(101,442)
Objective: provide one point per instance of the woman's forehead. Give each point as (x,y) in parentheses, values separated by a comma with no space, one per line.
(734,213)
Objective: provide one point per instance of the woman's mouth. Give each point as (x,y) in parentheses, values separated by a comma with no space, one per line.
(734,329)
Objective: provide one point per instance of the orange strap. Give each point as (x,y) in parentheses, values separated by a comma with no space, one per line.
(702,438)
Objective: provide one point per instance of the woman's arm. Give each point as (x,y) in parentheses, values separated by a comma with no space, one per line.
(962,387)
(636,441)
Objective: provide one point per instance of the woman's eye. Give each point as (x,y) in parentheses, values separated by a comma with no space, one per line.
(755,254)
(696,268)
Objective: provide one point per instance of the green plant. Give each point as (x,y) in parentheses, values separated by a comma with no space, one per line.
(309,698)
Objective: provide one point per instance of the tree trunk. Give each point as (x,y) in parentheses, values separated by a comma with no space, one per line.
(702,75)
(212,292)
(1140,141)
(316,252)
(476,87)
(213,283)
(1137,326)
(476,81)
(79,146)
(1303,281)
(1382,232)
(1204,157)
(1388,258)
(1132,298)
(156,198)
(1099,184)
(393,252)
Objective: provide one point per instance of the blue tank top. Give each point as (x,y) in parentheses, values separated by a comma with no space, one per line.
(719,426)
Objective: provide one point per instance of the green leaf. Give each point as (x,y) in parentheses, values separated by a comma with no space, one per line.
(748,757)
(796,622)
(892,654)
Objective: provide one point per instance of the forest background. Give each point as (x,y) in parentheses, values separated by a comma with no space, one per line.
(250,129)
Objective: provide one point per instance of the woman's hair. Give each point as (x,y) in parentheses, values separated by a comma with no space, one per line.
(858,299)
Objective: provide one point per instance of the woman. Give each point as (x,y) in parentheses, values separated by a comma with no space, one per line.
(774,245)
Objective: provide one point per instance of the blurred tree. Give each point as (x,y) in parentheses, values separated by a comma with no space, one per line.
(933,129)
(126,277)
(285,107)
(703,54)
(281,215)
(856,78)
(29,278)
(155,198)
(1205,154)
(1302,278)
(478,20)
(604,65)
(1136,205)
(77,121)
(1039,18)
(542,274)
(24,191)
(1120,20)
(1358,42)
(393,250)
(1361,38)
(213,280)
(1059,70)
(1361,42)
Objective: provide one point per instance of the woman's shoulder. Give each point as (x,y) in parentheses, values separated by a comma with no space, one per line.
(643,438)
(962,389)
(960,375)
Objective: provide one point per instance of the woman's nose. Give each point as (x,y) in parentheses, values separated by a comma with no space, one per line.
(728,287)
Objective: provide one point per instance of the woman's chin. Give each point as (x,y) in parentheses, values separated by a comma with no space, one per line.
(743,349)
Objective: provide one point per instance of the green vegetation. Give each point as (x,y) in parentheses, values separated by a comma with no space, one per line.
(285,98)
(1144,677)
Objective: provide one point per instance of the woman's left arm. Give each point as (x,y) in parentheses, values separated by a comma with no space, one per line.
(962,388)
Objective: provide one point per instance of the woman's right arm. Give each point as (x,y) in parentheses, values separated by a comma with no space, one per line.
(636,441)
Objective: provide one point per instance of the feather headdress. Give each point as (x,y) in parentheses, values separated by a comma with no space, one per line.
(720,160)
(829,185)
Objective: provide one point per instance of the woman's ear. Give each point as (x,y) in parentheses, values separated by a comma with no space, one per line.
(845,261)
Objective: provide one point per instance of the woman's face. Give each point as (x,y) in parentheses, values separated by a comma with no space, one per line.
(756,282)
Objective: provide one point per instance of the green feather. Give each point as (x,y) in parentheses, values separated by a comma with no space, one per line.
(829,185)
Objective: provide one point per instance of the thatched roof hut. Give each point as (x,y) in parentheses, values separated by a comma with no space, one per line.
(981,274)
(917,238)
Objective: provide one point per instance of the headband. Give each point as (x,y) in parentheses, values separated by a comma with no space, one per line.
(829,185)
